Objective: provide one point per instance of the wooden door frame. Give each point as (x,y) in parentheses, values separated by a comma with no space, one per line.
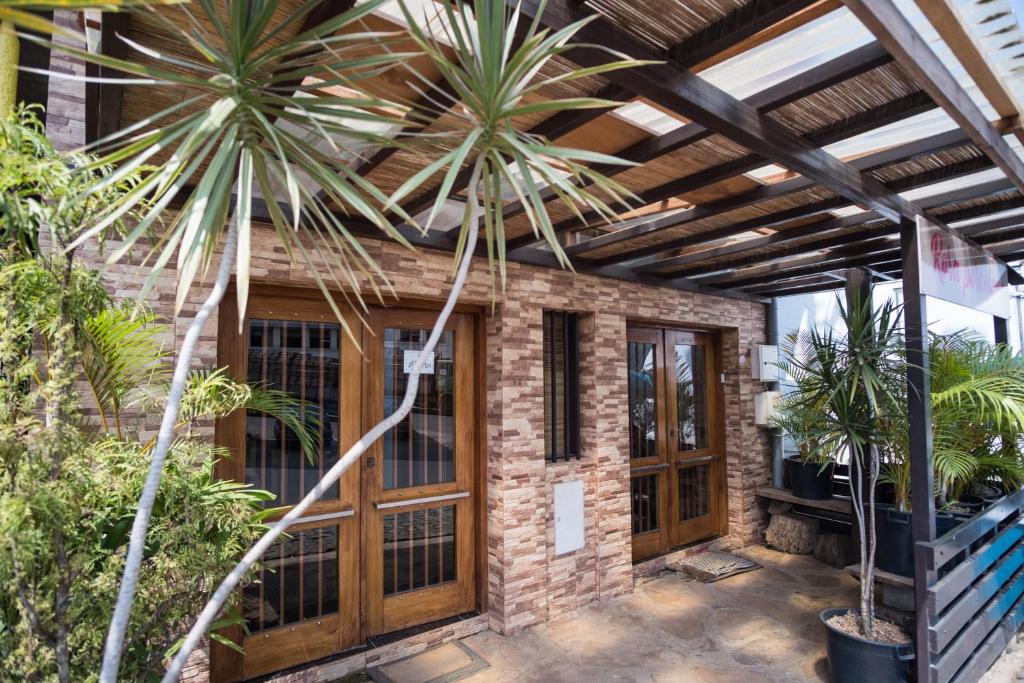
(671,537)
(227,665)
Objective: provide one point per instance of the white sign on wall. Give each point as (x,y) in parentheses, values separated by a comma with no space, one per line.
(409,359)
(955,270)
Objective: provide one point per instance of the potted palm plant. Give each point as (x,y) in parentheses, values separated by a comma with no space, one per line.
(977,404)
(801,414)
(850,376)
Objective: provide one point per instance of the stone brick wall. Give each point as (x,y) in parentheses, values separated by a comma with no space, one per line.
(527,583)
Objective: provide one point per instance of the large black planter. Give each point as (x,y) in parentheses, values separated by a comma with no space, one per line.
(856,660)
(894,549)
(808,479)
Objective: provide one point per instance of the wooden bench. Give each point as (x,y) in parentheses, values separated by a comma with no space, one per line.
(837,504)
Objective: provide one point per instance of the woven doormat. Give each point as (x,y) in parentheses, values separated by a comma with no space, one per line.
(443,664)
(713,565)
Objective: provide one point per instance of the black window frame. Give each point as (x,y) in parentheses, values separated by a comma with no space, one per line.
(568,404)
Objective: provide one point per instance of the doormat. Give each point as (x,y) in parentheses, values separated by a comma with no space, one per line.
(712,565)
(443,664)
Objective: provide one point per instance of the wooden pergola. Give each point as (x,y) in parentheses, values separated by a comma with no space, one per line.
(708,220)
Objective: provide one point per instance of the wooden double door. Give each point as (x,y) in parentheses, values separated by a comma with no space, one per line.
(393,544)
(677,463)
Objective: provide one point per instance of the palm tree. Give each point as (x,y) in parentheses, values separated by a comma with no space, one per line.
(221,142)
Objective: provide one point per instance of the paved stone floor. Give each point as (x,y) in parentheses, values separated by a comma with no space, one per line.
(756,627)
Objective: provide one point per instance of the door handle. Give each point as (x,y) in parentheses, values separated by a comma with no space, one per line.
(420,501)
(696,461)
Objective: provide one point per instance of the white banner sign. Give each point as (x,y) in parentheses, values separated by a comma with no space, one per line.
(409,359)
(954,270)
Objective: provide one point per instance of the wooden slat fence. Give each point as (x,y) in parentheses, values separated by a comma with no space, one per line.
(974,601)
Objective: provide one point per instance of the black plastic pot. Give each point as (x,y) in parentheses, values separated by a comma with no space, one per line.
(808,479)
(894,549)
(974,503)
(856,660)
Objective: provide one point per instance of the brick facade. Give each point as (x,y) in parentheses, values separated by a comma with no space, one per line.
(527,584)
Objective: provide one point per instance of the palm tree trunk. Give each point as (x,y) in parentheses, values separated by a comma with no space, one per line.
(165,437)
(227,587)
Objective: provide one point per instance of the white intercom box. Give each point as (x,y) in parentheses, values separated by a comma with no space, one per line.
(568,517)
(766,363)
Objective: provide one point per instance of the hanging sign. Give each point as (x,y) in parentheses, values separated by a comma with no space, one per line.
(953,269)
(409,359)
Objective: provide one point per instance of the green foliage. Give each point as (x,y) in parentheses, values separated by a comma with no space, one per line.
(977,420)
(71,486)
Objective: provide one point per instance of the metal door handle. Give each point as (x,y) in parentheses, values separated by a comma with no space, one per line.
(419,501)
(696,461)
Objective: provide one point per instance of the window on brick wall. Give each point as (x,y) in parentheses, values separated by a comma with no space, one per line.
(561,386)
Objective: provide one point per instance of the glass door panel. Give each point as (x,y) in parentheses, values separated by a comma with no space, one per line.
(419,530)
(691,397)
(643,400)
(420,450)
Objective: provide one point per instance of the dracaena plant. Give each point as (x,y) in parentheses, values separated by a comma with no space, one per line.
(218,151)
(850,377)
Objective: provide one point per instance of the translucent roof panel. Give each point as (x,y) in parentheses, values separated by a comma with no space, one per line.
(790,54)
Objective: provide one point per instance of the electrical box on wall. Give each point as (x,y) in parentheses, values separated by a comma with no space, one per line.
(766,363)
(764,407)
(568,517)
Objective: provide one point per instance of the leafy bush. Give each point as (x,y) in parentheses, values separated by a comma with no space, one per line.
(71,486)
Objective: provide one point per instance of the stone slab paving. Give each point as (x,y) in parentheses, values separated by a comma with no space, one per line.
(757,627)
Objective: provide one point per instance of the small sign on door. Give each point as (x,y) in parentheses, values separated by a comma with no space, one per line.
(409,359)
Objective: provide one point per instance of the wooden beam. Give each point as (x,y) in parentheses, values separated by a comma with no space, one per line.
(892,29)
(849,65)
(565,122)
(919,180)
(952,28)
(740,24)
(103,100)
(327,9)
(879,116)
(993,224)
(420,115)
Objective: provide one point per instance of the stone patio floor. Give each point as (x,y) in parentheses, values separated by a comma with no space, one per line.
(750,628)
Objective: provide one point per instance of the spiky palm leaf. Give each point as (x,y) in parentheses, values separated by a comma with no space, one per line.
(221,149)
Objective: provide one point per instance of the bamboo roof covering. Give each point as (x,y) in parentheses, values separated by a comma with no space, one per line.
(731,197)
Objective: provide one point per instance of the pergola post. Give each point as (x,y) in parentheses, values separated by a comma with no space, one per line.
(922,484)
